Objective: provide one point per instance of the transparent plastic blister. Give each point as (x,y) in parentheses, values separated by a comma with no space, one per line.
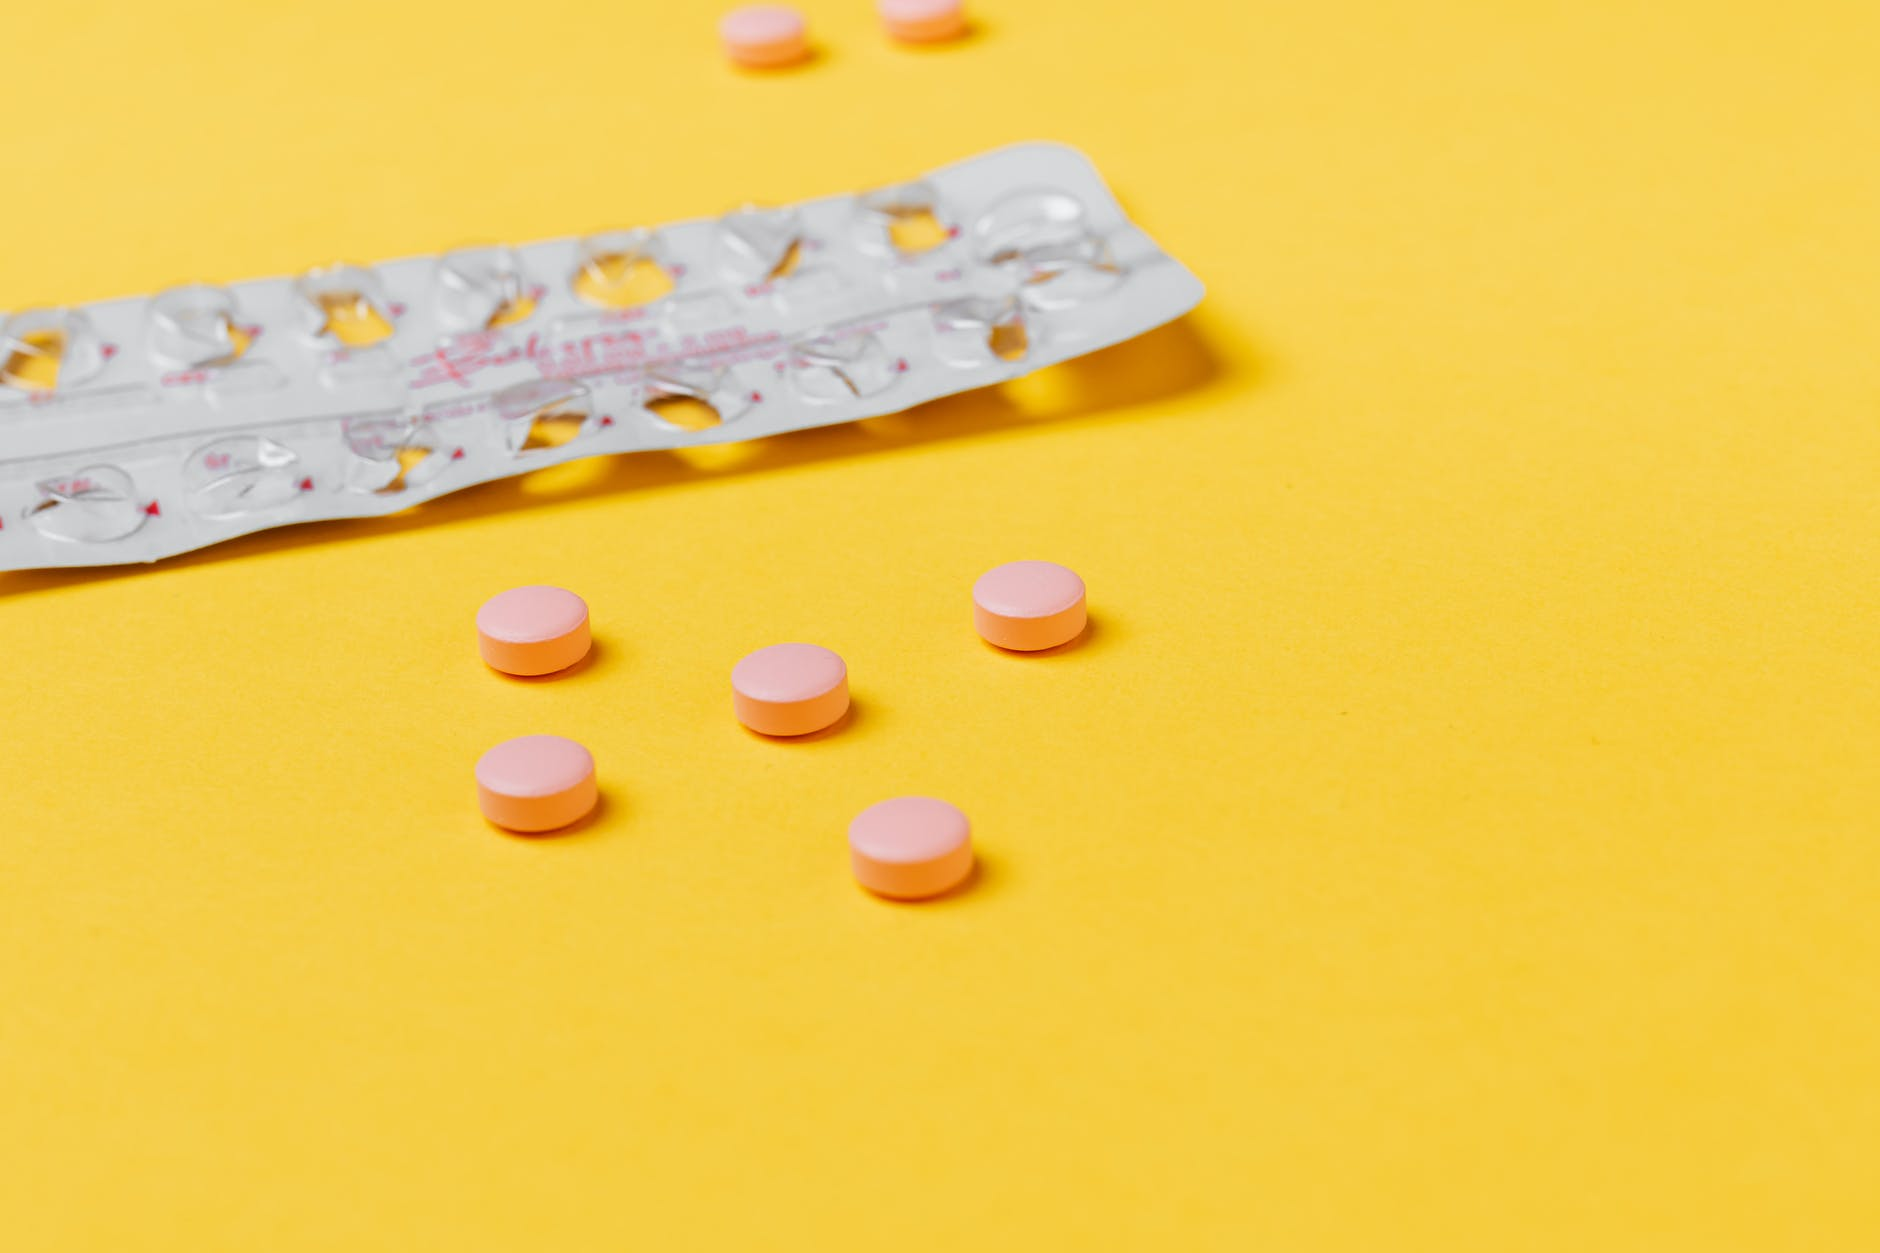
(137,429)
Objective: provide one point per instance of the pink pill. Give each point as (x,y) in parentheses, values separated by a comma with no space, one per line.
(790,689)
(536,783)
(764,35)
(923,21)
(910,847)
(533,630)
(1029,605)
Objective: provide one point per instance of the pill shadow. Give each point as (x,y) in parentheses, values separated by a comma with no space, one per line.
(851,716)
(580,829)
(1115,383)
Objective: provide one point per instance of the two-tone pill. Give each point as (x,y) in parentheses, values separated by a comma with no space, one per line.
(911,847)
(764,36)
(536,783)
(790,689)
(533,630)
(1027,606)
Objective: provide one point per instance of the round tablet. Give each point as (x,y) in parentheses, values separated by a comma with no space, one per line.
(533,630)
(923,21)
(1029,605)
(910,847)
(536,783)
(764,35)
(790,689)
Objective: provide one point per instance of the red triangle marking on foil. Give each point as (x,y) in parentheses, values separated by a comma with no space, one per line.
(152,510)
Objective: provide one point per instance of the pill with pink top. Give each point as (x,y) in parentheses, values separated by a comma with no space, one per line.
(761,36)
(533,630)
(790,689)
(923,21)
(911,847)
(1029,605)
(536,783)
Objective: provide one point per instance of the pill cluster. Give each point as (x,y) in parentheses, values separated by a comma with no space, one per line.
(766,36)
(136,429)
(905,848)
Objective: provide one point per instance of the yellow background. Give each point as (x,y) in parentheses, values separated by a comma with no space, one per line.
(1459,832)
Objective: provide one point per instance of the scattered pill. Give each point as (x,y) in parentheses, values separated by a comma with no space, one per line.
(790,689)
(910,847)
(1029,605)
(923,21)
(761,36)
(533,630)
(536,783)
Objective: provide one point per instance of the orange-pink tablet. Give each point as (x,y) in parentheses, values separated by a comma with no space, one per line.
(760,36)
(923,21)
(533,630)
(536,783)
(790,689)
(1029,605)
(911,847)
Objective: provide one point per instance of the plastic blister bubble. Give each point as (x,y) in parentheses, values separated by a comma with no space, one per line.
(838,367)
(46,349)
(94,505)
(903,222)
(195,327)
(239,475)
(624,270)
(758,246)
(391,454)
(481,288)
(543,414)
(345,306)
(1043,238)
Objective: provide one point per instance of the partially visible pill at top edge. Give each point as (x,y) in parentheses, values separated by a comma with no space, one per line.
(923,21)
(533,630)
(1027,606)
(761,36)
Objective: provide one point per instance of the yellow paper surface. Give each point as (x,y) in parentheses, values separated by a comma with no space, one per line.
(1459,831)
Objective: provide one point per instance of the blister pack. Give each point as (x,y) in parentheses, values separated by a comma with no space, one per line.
(131,430)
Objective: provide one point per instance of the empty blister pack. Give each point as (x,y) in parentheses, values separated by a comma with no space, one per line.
(131,430)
